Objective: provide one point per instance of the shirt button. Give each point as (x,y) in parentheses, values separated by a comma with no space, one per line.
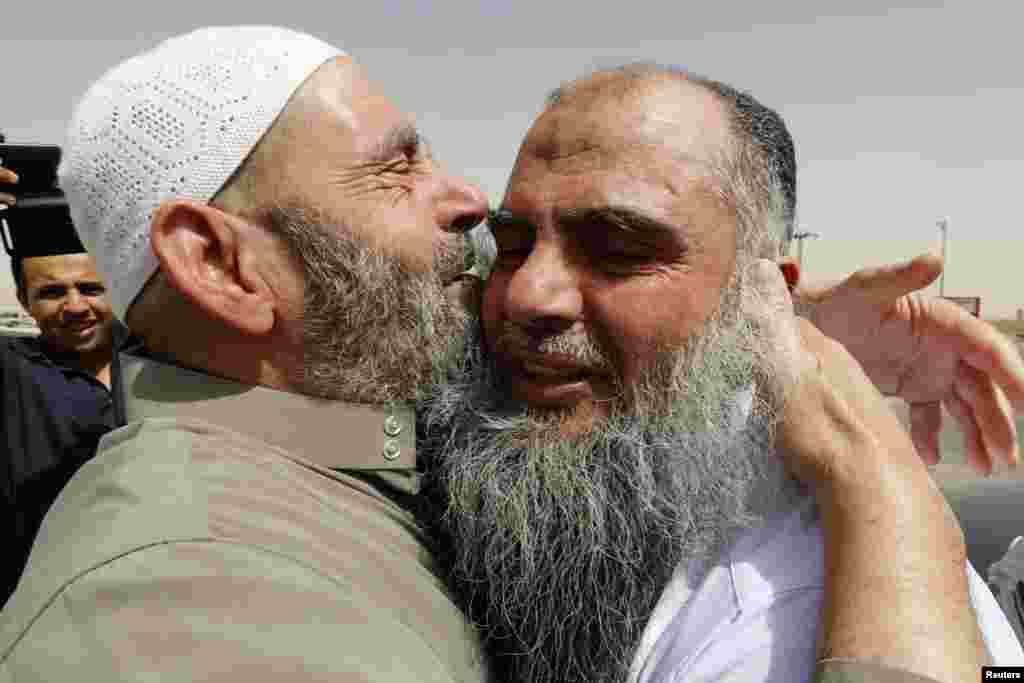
(392,426)
(391,450)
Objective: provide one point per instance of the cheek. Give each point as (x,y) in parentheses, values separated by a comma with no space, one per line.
(100,306)
(45,314)
(640,324)
(399,230)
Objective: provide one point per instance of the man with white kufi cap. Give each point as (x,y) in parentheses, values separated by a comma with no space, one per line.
(276,233)
(272,228)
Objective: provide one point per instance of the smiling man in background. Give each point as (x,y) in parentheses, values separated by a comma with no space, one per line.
(56,386)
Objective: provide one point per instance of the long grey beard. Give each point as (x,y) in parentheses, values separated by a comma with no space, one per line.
(559,547)
(375,331)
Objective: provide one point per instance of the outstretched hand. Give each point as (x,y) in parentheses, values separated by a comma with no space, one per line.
(820,390)
(912,610)
(929,352)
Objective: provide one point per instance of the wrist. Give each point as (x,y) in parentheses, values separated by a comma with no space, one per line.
(889,500)
(895,566)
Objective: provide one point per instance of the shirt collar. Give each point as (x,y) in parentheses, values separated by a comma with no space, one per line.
(29,348)
(37,350)
(331,434)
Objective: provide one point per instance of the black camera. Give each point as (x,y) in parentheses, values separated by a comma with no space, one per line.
(36,166)
(39,223)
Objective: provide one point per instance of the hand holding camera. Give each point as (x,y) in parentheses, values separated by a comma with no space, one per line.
(32,205)
(7,177)
(34,169)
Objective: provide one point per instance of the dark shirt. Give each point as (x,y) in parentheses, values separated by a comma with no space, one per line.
(53,417)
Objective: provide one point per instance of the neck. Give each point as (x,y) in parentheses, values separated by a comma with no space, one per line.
(103,375)
(249,363)
(97,363)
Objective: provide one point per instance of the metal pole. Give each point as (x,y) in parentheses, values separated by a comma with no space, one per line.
(943,224)
(800,237)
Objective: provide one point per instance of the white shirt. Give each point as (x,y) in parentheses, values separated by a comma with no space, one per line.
(754,615)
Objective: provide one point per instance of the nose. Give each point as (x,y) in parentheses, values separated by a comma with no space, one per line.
(543,295)
(75,304)
(460,206)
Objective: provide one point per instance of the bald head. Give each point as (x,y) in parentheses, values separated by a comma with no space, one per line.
(747,143)
(619,114)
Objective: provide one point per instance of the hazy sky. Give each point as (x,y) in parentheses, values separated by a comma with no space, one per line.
(900,115)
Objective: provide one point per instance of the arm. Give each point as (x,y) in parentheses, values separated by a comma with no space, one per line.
(12,529)
(927,351)
(896,590)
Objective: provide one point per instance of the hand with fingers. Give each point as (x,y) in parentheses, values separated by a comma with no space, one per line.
(931,353)
(7,178)
(895,587)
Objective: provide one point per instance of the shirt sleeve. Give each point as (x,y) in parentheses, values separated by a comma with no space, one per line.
(215,611)
(769,643)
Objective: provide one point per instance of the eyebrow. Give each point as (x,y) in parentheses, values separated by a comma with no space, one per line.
(621,218)
(402,138)
(49,280)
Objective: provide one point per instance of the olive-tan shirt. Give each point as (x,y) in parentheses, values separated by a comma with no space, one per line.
(236,533)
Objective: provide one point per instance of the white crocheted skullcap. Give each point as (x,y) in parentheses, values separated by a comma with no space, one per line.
(174,122)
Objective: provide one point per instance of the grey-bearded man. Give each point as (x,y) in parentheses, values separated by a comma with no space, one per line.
(277,234)
(605,475)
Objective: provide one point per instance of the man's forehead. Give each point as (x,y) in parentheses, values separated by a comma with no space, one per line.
(61,267)
(668,117)
(330,89)
(345,96)
(657,191)
(654,147)
(336,123)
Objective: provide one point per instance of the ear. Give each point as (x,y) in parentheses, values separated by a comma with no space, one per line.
(790,271)
(200,248)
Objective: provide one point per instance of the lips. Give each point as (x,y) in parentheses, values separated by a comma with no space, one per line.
(552,373)
(553,379)
(81,329)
